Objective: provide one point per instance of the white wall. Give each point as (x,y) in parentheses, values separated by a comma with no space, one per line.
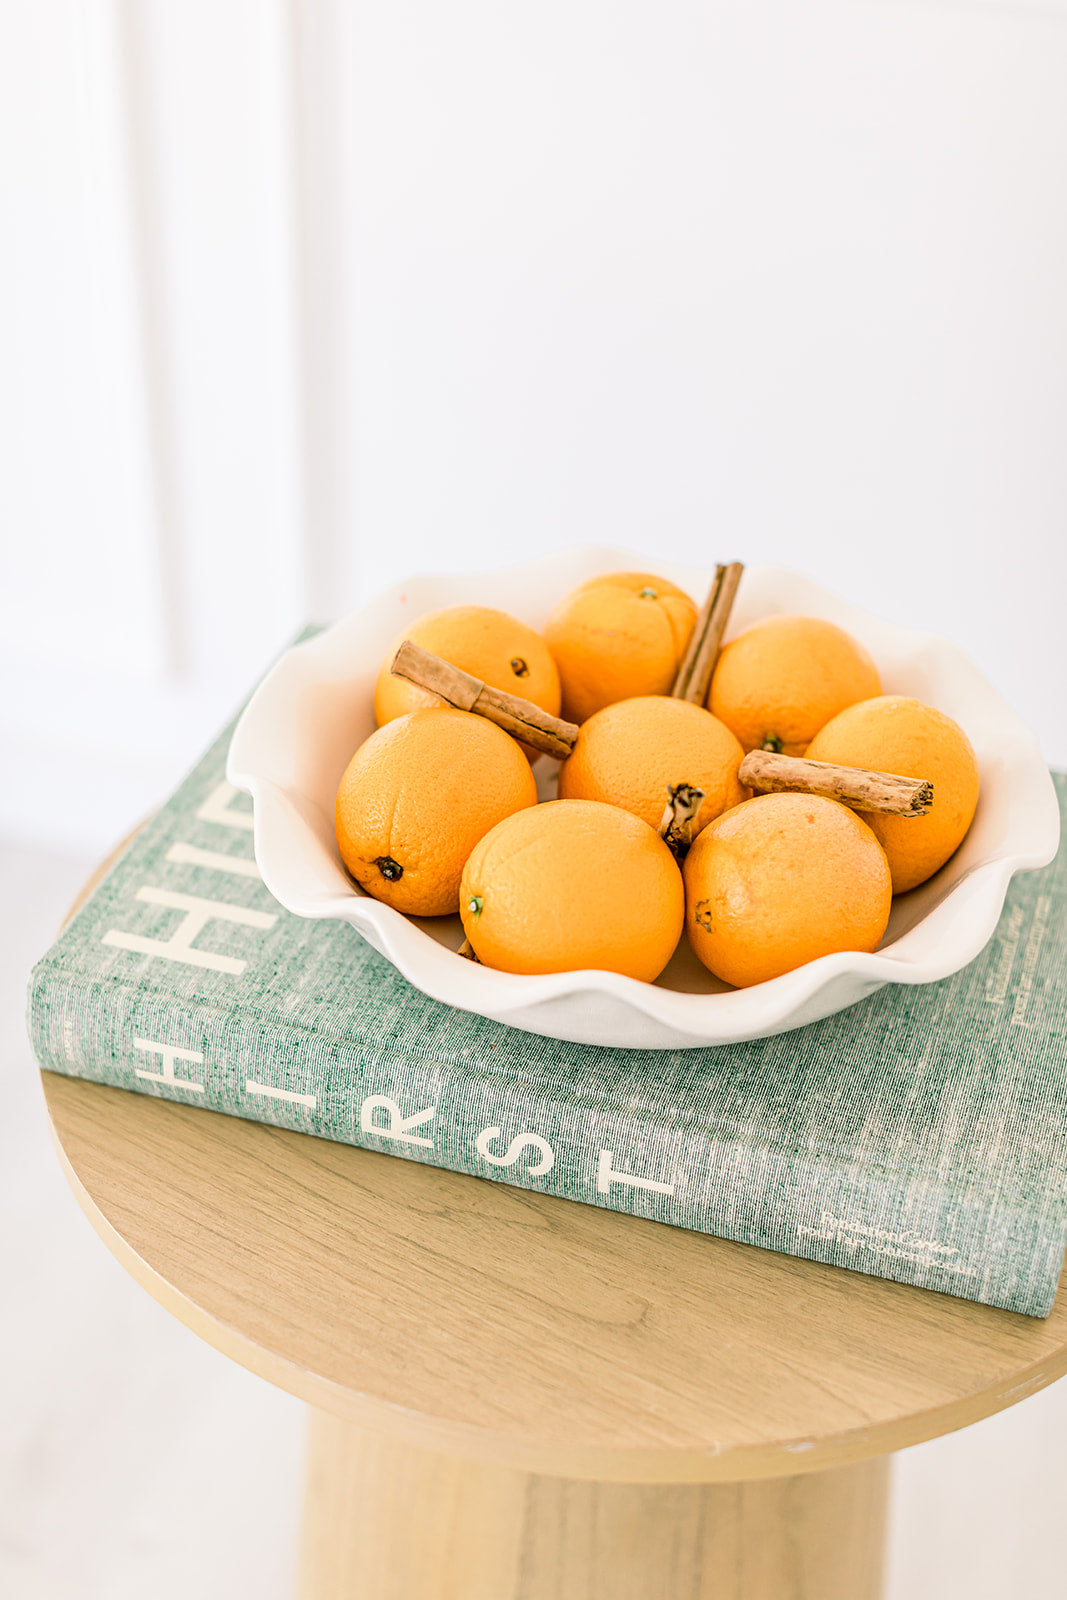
(150,502)
(304,296)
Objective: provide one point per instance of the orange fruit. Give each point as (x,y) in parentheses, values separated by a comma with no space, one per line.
(415,799)
(491,645)
(896,734)
(781,880)
(781,680)
(616,637)
(570,885)
(628,753)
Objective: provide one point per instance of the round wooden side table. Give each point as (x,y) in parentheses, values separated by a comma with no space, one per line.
(516,1397)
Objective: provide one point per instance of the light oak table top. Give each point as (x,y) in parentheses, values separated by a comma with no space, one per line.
(465,1316)
(495,1323)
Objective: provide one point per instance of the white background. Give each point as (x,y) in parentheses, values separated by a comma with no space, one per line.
(298,297)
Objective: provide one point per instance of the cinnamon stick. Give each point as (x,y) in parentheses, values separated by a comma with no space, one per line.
(698,663)
(888,792)
(466,950)
(676,825)
(516,716)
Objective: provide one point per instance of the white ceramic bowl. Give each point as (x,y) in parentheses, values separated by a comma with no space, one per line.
(316,706)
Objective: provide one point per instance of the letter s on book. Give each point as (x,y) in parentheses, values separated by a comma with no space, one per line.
(513,1153)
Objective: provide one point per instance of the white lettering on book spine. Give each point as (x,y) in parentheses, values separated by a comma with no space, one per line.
(198,913)
(513,1153)
(189,855)
(216,808)
(170,1053)
(904,1243)
(269,1093)
(398,1127)
(606,1175)
(1008,938)
(1030,957)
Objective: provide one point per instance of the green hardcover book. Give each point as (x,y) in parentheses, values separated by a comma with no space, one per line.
(917,1136)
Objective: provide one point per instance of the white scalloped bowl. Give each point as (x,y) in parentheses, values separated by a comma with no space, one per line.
(316,706)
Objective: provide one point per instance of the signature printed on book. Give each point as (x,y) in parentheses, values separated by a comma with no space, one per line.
(905,1243)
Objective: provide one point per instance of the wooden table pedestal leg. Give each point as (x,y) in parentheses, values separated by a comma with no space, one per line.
(386,1521)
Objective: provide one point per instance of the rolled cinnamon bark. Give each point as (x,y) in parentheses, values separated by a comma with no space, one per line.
(769,773)
(698,663)
(516,716)
(676,825)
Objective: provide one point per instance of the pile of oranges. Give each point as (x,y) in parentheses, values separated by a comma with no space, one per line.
(438,810)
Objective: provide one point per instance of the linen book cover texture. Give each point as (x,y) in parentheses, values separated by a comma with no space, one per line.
(918,1135)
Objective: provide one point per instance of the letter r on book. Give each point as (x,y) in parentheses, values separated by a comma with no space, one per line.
(398,1127)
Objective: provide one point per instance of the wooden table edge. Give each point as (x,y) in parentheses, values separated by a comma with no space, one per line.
(573,1459)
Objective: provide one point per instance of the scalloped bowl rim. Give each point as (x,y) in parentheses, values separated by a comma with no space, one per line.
(603,1007)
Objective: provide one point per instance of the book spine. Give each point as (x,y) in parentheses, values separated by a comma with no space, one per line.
(489,1123)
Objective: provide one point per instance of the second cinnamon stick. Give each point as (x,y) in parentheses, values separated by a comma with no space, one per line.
(698,663)
(889,792)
